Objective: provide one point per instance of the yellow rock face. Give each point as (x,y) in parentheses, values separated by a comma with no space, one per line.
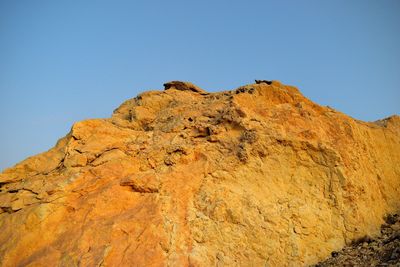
(257,176)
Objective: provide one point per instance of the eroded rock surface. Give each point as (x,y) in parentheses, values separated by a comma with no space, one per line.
(255,176)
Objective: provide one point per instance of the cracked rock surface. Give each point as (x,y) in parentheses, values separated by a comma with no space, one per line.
(256,176)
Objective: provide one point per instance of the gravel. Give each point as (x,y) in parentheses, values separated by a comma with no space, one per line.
(381,251)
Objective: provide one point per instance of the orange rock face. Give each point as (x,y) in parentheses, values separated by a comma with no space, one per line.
(257,176)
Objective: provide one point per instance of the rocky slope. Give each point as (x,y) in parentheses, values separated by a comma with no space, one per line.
(381,251)
(257,176)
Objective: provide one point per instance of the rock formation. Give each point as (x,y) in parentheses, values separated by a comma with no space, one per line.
(257,176)
(183,86)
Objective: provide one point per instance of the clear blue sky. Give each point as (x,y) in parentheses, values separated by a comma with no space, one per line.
(65,61)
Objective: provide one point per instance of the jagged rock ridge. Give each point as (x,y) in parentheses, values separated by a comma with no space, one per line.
(257,176)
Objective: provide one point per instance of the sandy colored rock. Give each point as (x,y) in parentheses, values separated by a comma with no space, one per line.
(147,182)
(256,176)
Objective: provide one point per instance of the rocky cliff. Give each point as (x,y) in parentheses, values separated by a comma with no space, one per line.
(257,176)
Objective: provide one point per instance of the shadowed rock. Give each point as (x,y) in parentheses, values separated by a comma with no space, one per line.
(183,86)
(263,81)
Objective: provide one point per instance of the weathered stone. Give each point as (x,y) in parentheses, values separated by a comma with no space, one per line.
(181,177)
(75,160)
(183,86)
(147,182)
